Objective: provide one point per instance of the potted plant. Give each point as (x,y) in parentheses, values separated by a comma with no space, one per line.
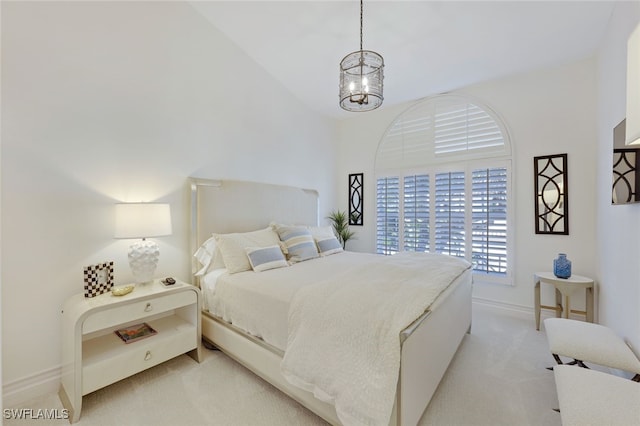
(340,224)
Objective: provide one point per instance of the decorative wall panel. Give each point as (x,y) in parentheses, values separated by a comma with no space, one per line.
(551,194)
(356,206)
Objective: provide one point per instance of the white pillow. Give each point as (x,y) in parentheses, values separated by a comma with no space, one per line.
(299,243)
(328,246)
(206,256)
(264,258)
(321,232)
(232,247)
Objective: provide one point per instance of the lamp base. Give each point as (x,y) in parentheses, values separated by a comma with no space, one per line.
(143,260)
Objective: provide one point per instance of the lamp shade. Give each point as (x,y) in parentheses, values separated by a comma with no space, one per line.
(142,220)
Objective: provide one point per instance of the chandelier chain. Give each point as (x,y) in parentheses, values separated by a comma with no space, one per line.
(361,9)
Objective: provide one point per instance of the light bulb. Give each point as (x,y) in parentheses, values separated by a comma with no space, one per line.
(352,86)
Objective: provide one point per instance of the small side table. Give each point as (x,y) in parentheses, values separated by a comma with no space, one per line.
(565,287)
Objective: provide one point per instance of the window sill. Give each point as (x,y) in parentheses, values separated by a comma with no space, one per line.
(492,279)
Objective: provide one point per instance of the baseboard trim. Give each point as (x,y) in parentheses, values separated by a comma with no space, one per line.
(526,312)
(504,307)
(31,387)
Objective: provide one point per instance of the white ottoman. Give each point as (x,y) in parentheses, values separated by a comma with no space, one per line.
(593,398)
(588,342)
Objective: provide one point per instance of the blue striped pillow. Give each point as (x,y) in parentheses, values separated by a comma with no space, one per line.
(299,243)
(329,245)
(264,258)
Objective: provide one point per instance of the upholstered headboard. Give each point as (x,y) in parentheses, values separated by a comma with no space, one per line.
(224,206)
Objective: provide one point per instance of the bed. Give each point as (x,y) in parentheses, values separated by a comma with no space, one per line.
(425,347)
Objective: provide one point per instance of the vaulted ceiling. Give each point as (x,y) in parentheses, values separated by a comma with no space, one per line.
(429,47)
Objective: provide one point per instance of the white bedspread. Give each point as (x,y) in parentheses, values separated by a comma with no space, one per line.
(258,302)
(343,343)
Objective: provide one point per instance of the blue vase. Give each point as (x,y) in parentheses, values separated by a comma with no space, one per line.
(562,266)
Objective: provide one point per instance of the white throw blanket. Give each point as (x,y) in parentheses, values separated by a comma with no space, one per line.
(343,343)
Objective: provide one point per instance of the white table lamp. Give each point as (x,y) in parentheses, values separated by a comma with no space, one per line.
(143,220)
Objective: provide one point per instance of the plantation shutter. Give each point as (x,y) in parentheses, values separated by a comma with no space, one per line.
(388,215)
(416,213)
(489,220)
(449,156)
(439,129)
(450,214)
(408,142)
(464,127)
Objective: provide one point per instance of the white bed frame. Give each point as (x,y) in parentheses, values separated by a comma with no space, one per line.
(427,346)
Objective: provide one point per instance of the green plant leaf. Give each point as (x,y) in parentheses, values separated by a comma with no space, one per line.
(340,223)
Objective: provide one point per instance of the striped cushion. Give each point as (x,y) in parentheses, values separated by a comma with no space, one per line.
(299,243)
(264,258)
(232,247)
(327,246)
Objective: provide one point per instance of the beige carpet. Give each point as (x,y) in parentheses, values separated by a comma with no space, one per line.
(498,377)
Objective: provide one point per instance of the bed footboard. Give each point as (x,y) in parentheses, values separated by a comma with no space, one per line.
(427,349)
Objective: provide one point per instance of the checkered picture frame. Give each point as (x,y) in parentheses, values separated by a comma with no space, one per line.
(93,286)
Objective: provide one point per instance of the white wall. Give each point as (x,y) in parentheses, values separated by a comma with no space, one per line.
(547,112)
(618,226)
(122,101)
(1,399)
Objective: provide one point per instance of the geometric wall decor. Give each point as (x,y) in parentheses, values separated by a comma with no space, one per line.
(626,179)
(551,194)
(626,164)
(356,206)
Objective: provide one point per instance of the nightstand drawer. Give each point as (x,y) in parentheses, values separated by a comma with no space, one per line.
(137,310)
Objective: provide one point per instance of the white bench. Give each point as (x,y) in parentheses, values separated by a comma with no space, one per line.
(588,342)
(589,397)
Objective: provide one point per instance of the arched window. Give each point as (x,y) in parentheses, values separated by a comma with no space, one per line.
(443,171)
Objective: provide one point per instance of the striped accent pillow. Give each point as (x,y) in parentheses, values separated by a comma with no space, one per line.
(327,246)
(232,247)
(265,258)
(299,243)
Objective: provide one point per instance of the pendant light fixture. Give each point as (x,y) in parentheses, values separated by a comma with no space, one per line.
(361,75)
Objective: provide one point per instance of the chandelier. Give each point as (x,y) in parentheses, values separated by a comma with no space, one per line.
(361,75)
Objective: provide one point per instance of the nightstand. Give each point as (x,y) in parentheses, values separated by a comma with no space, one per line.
(93,356)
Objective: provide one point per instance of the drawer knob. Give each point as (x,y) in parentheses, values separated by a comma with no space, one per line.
(148,308)
(147,356)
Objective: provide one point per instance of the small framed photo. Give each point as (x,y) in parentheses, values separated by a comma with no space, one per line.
(98,279)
